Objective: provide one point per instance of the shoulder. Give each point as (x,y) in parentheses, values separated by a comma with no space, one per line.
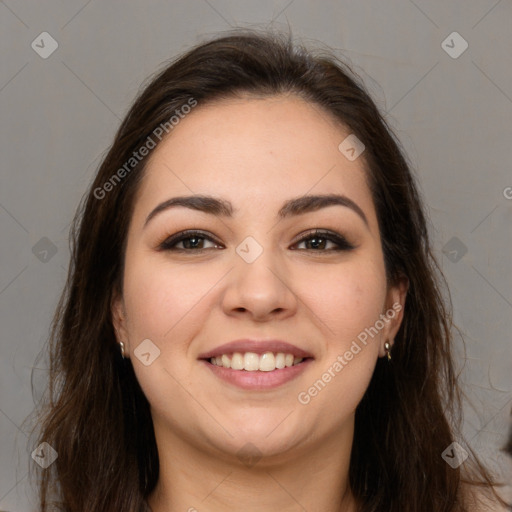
(483,500)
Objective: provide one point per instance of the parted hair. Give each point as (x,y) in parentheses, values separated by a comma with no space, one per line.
(94,413)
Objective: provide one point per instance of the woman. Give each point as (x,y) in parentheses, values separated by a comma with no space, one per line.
(253,316)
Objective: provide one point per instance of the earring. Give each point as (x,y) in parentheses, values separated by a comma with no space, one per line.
(121,344)
(387,346)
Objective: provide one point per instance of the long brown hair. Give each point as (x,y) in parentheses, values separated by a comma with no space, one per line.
(96,416)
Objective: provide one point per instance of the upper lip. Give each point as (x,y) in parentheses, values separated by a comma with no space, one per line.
(258,347)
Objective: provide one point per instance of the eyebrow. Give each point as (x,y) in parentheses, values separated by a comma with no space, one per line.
(291,207)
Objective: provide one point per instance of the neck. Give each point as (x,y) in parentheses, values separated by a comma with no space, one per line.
(312,478)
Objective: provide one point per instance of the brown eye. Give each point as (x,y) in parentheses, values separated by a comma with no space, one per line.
(193,241)
(318,239)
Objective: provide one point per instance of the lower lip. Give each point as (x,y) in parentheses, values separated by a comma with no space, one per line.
(258,380)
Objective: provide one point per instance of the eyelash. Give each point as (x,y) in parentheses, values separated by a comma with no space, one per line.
(169,243)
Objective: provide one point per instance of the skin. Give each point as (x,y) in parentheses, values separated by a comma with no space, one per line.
(257,153)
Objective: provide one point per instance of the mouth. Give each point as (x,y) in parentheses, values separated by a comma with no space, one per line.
(250,371)
(256,365)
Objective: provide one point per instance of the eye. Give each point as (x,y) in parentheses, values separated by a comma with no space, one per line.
(191,240)
(318,239)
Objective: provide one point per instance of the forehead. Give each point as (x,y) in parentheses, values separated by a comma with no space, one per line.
(254,151)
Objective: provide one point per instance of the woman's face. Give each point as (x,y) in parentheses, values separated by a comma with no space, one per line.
(248,276)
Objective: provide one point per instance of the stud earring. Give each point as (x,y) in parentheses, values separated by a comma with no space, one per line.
(387,346)
(121,344)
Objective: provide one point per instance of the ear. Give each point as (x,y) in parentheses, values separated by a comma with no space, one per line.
(394,312)
(118,313)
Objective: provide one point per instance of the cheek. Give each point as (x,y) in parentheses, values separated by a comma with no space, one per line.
(163,304)
(346,300)
(159,297)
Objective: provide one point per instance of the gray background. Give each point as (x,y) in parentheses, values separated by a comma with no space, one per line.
(452,115)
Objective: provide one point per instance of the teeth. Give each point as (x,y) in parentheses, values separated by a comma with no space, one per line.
(224,360)
(251,362)
(267,362)
(237,362)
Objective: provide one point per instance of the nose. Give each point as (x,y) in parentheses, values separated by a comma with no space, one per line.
(261,289)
